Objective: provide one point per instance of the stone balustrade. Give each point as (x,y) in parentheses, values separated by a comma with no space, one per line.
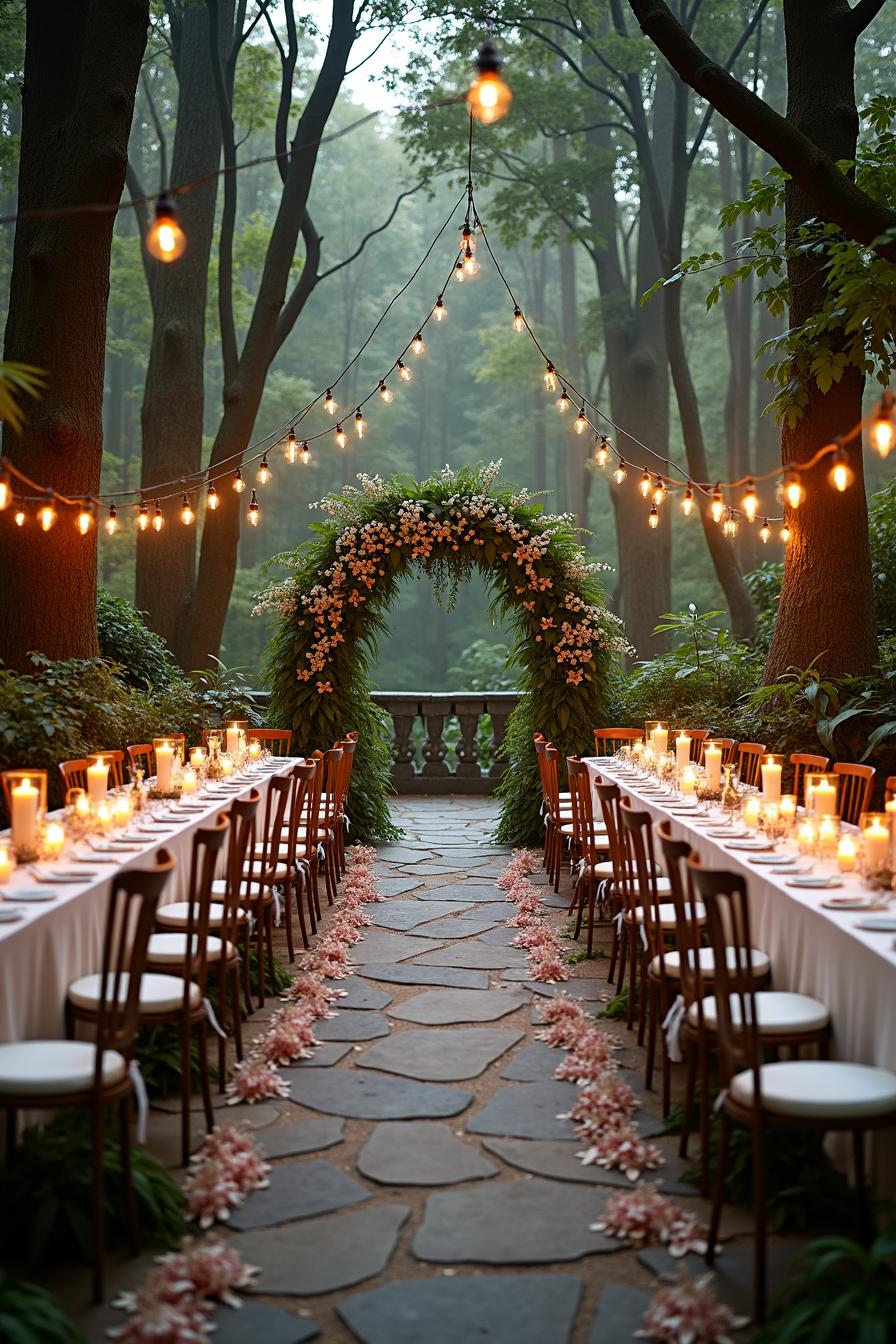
(437,740)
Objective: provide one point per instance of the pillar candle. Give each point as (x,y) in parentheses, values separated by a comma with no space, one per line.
(771,781)
(847,853)
(25,802)
(6,863)
(876,845)
(164,759)
(824,799)
(660,740)
(97,780)
(712,760)
(682,750)
(188,780)
(232,740)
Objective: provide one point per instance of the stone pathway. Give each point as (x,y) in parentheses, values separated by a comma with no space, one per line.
(423,1189)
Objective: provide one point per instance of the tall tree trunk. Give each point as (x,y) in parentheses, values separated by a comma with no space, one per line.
(173,393)
(82,62)
(827,604)
(576,447)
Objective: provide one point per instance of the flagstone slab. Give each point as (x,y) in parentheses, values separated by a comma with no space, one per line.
(402,854)
(457,926)
(307,1136)
(445,1007)
(527,1111)
(358,994)
(732,1271)
(390,947)
(525,1222)
(409,973)
(256,1321)
(324,1254)
(352,1024)
(500,937)
(620,1314)
(558,1160)
(420,1152)
(298,1190)
(475,956)
(438,1056)
(462,892)
(434,869)
(534,1064)
(404,915)
(324,1055)
(396,886)
(592,991)
(363,1095)
(497,1309)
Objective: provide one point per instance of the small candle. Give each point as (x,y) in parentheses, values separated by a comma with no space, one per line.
(121,810)
(824,798)
(197,757)
(788,807)
(712,760)
(227,766)
(688,781)
(847,853)
(188,780)
(805,836)
(662,760)
(82,805)
(54,839)
(97,780)
(25,802)
(660,740)
(828,833)
(751,810)
(7,863)
(876,845)
(771,780)
(104,816)
(254,749)
(232,739)
(164,761)
(682,750)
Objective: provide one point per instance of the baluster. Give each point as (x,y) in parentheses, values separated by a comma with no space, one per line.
(468,715)
(500,711)
(403,746)
(435,711)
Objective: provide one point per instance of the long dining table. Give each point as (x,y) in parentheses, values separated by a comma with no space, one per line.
(814,949)
(54,940)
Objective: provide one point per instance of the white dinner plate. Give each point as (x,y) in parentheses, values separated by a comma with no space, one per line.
(9,913)
(35,894)
(850,903)
(750,846)
(64,879)
(878,923)
(779,860)
(810,881)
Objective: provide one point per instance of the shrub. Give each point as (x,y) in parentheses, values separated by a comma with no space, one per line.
(29,1315)
(142,657)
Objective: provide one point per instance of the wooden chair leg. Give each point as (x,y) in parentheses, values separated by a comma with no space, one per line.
(244,958)
(592,894)
(205,1080)
(719,1191)
(222,1019)
(631,935)
(298,888)
(664,1051)
(287,916)
(185,1093)
(259,950)
(650,995)
(130,1201)
(758,1223)
(688,1099)
(269,944)
(236,1011)
(643,997)
(97,1200)
(705,1117)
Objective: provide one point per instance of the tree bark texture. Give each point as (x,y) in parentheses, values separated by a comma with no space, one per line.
(82,62)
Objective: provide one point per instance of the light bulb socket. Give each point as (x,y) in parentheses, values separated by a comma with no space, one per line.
(488,58)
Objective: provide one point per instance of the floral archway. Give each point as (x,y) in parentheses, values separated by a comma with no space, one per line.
(335,601)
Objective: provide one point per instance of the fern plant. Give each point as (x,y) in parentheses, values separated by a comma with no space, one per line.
(29,1315)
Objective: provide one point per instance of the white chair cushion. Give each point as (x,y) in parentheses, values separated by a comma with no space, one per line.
(177,915)
(695,913)
(777,1012)
(158,993)
(760,962)
(219,888)
(165,948)
(55,1068)
(819,1088)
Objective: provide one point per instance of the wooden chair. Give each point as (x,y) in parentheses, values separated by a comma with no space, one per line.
(269,869)
(73,774)
(348,746)
(820,1095)
(856,787)
(698,738)
(607,741)
(277,740)
(142,757)
(114,758)
(728,746)
(805,763)
(590,844)
(96,1074)
(749,763)
(304,863)
(890,789)
(558,817)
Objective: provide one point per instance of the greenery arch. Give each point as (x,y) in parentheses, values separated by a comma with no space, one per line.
(334,604)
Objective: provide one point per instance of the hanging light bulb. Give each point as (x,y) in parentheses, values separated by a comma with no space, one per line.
(519,322)
(794,491)
(645,483)
(653,517)
(750,502)
(765,532)
(471,265)
(417,344)
(459,273)
(659,491)
(165,239)
(581,421)
(158,522)
(360,424)
(254,512)
(111,523)
(341,439)
(385,393)
(5,491)
(84,519)
(305,453)
(212,497)
(563,402)
(784,534)
(20,517)
(717,505)
(46,514)
(621,472)
(404,373)
(142,517)
(601,451)
(329,402)
(729,526)
(263,474)
(883,431)
(488,97)
(292,447)
(440,312)
(841,474)
(467,239)
(187,516)
(239,484)
(687,501)
(550,378)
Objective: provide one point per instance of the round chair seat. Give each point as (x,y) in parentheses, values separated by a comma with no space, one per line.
(817,1089)
(760,962)
(55,1068)
(177,915)
(258,890)
(158,993)
(171,949)
(778,1013)
(695,913)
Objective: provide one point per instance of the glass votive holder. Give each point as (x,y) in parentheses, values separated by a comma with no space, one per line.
(877,843)
(197,758)
(122,809)
(788,809)
(847,852)
(53,840)
(687,781)
(828,833)
(7,862)
(103,816)
(228,765)
(807,836)
(656,733)
(189,781)
(821,794)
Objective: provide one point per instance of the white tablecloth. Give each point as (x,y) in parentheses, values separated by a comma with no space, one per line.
(57,941)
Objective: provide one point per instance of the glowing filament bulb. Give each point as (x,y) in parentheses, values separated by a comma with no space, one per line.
(142,517)
(263,475)
(765,532)
(784,534)
(488,97)
(581,421)
(659,491)
(212,498)
(84,520)
(459,273)
(883,430)
(385,393)
(471,265)
(602,451)
(305,453)
(717,505)
(5,491)
(729,526)
(404,373)
(165,239)
(841,474)
(291,447)
(239,484)
(20,517)
(112,521)
(550,378)
(519,322)
(794,493)
(621,472)
(653,517)
(417,344)
(330,403)
(158,522)
(645,483)
(360,424)
(563,402)
(46,514)
(467,239)
(341,437)
(187,516)
(687,501)
(440,312)
(254,512)
(750,502)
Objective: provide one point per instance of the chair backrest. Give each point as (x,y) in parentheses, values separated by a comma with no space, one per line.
(348,747)
(698,738)
(890,789)
(74,774)
(332,767)
(274,842)
(724,896)
(856,786)
(311,816)
(749,762)
(141,757)
(727,745)
(610,798)
(585,841)
(637,838)
(240,859)
(208,844)
(687,931)
(130,917)
(302,776)
(277,740)
(805,763)
(607,741)
(114,758)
